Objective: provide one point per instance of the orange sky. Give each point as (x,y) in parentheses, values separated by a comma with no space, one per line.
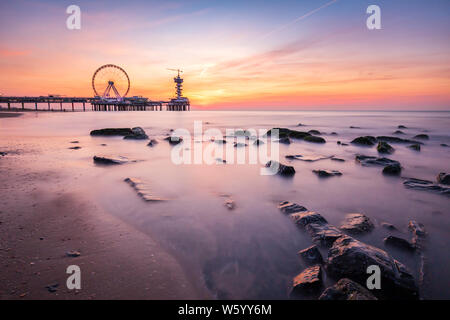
(234,55)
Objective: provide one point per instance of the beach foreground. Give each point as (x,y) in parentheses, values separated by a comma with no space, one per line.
(219,232)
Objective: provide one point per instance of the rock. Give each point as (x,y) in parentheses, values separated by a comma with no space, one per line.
(287,207)
(353,127)
(152,143)
(443,178)
(280,169)
(399,243)
(229,203)
(374,161)
(334,133)
(399,132)
(402,127)
(258,142)
(357,223)
(323,234)
(3,153)
(421,137)
(346,289)
(220,141)
(384,147)
(311,255)
(418,229)
(74,141)
(73,254)
(285,140)
(308,280)
(52,287)
(173,140)
(314,132)
(108,161)
(112,132)
(415,147)
(392,169)
(75,148)
(239,144)
(337,159)
(143,189)
(314,139)
(425,185)
(388,226)
(349,258)
(242,133)
(285,132)
(444,145)
(327,173)
(365,141)
(302,219)
(307,158)
(396,140)
(137,134)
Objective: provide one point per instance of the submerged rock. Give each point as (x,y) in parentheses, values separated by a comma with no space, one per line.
(374,161)
(421,136)
(314,132)
(392,169)
(350,258)
(314,139)
(287,207)
(443,178)
(75,148)
(425,185)
(308,280)
(137,134)
(173,140)
(108,161)
(76,141)
(444,145)
(327,173)
(239,144)
(346,289)
(357,223)
(258,142)
(402,127)
(112,132)
(384,147)
(308,158)
(337,159)
(396,140)
(152,143)
(2,153)
(388,226)
(399,243)
(399,132)
(142,189)
(285,140)
(280,169)
(365,141)
(415,147)
(323,234)
(230,204)
(418,231)
(311,255)
(285,132)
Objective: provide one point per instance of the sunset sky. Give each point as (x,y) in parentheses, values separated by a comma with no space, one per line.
(308,55)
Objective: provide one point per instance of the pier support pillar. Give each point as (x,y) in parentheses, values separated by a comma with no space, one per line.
(35,106)
(9,106)
(84,106)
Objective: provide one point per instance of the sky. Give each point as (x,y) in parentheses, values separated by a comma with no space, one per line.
(277,55)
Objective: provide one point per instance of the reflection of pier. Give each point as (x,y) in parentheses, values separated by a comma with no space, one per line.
(48,103)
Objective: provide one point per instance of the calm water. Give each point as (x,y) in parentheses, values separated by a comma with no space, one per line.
(248,252)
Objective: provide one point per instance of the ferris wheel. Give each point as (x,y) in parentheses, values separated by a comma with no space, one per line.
(110,81)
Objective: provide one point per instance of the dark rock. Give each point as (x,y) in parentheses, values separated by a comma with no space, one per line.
(374,161)
(399,132)
(52,287)
(421,137)
(311,255)
(396,140)
(415,147)
(353,127)
(337,159)
(307,158)
(357,223)
(112,132)
(308,280)
(399,243)
(392,169)
(444,145)
(288,207)
(314,139)
(137,134)
(327,173)
(323,234)
(300,125)
(365,141)
(239,144)
(402,127)
(73,254)
(74,141)
(258,142)
(220,141)
(173,140)
(346,289)
(3,153)
(384,147)
(285,140)
(443,178)
(108,161)
(425,185)
(142,189)
(302,219)
(388,226)
(334,133)
(152,143)
(75,148)
(280,169)
(314,132)
(349,258)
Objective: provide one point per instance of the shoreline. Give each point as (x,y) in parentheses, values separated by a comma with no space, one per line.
(117,261)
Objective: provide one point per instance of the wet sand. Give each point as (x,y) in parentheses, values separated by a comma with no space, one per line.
(37,228)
